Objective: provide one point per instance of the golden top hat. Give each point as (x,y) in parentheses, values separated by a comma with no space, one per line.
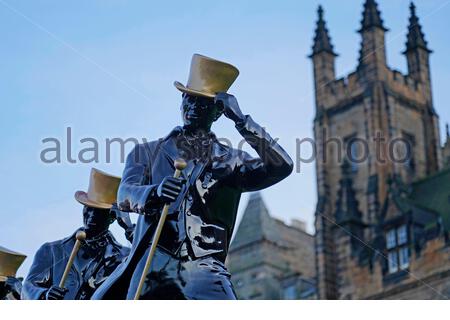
(208,76)
(102,191)
(10,261)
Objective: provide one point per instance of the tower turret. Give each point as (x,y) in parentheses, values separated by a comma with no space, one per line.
(323,57)
(417,53)
(372,55)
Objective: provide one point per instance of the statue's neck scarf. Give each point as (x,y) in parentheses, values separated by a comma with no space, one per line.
(99,241)
(197,145)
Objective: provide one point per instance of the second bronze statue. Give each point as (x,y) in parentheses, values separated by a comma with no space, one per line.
(189,261)
(74,267)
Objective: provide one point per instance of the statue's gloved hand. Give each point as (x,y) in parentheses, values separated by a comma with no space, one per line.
(124,221)
(55,293)
(122,217)
(169,189)
(129,233)
(14,285)
(230,107)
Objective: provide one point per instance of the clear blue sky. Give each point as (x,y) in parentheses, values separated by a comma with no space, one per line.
(106,69)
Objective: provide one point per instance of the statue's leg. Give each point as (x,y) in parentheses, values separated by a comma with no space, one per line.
(159,283)
(206,279)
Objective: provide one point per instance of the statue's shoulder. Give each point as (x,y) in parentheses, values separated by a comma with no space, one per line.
(60,242)
(228,148)
(51,245)
(143,150)
(148,148)
(45,247)
(147,145)
(151,146)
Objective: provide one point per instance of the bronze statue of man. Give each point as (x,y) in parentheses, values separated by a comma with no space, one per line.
(97,257)
(189,261)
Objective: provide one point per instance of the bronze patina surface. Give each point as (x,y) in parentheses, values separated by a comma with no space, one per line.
(189,260)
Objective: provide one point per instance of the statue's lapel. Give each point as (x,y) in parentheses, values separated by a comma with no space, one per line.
(168,147)
(171,152)
(219,152)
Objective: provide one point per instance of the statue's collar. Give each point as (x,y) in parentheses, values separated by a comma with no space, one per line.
(219,151)
(175,132)
(178,130)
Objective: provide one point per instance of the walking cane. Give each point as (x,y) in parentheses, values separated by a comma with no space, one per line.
(80,236)
(179,164)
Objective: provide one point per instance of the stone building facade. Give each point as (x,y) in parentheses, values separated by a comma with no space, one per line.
(446,149)
(269,259)
(383,182)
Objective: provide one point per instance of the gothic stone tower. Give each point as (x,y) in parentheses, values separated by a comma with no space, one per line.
(376,131)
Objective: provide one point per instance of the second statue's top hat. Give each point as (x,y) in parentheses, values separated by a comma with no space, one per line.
(102,190)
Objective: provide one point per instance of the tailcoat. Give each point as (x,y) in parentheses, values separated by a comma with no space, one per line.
(95,261)
(196,236)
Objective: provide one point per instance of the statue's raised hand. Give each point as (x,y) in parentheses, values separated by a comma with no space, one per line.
(230,106)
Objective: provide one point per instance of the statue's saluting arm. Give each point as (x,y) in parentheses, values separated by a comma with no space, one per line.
(251,174)
(273,164)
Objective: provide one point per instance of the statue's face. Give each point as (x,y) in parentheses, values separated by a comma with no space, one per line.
(199,112)
(96,220)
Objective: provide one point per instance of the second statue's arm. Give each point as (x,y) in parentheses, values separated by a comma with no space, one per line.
(273,164)
(38,285)
(135,194)
(134,190)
